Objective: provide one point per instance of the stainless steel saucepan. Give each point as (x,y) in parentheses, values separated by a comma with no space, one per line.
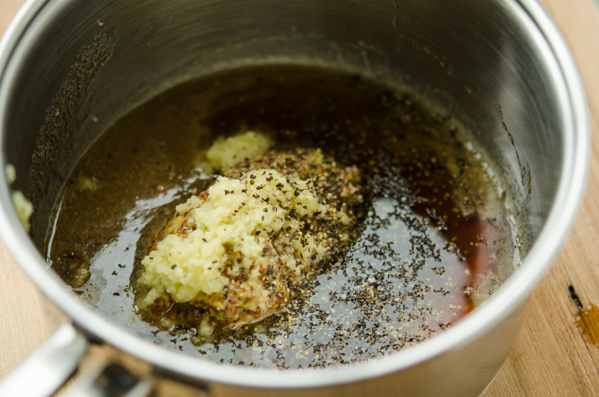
(70,68)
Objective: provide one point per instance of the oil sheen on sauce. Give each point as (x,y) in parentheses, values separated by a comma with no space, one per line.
(434,227)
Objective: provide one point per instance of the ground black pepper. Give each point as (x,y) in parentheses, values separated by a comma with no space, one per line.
(403,281)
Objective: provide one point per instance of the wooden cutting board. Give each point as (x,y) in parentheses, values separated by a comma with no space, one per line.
(555,355)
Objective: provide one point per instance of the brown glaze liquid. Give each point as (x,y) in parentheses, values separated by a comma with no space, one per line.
(587,321)
(410,274)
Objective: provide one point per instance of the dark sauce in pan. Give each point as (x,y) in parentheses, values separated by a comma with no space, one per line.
(435,224)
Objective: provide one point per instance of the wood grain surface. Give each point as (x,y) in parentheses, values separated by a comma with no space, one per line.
(552,355)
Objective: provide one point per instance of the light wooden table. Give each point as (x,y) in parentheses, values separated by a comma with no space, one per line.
(551,356)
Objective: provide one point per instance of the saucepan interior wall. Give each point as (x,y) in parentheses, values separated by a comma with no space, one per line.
(81,65)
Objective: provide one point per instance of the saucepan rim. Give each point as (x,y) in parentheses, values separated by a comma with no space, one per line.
(576,134)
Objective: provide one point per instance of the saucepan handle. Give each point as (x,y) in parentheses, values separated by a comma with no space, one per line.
(49,367)
(44,372)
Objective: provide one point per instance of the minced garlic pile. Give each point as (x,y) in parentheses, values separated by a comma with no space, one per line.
(235,250)
(226,236)
(23,207)
(226,152)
